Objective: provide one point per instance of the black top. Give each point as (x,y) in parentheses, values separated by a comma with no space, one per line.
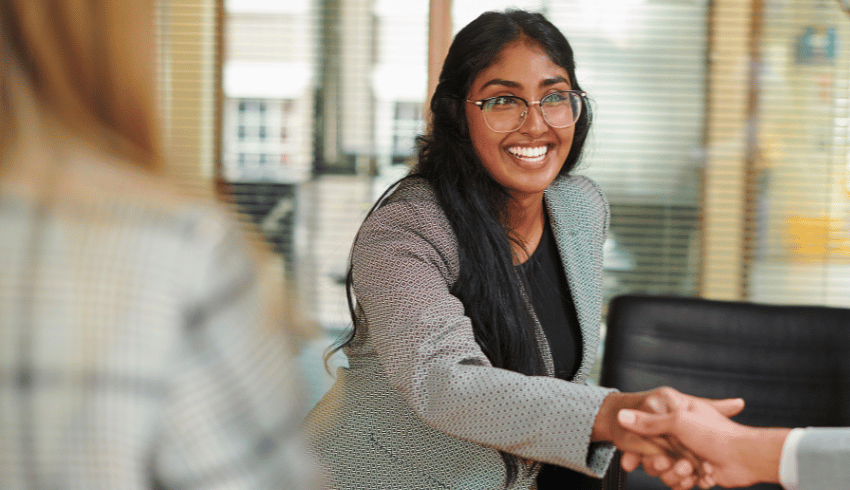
(553,304)
(556,312)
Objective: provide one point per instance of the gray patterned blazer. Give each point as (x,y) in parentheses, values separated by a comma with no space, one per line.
(420,405)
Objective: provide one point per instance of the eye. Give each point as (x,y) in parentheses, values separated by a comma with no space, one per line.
(557,98)
(503,103)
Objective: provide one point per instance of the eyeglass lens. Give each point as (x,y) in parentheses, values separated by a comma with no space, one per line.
(506,114)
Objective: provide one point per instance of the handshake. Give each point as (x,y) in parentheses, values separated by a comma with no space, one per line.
(686,440)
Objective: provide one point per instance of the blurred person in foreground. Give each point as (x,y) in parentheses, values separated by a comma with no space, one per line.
(739,455)
(136,348)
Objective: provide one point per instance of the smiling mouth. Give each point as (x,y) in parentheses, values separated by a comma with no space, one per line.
(531,154)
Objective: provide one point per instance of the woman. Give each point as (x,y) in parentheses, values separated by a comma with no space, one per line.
(135,349)
(478,288)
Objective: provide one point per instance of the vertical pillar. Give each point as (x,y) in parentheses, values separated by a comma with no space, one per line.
(357,60)
(191,81)
(729,146)
(439,39)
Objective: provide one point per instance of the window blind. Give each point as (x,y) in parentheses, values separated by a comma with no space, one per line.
(189,85)
(643,64)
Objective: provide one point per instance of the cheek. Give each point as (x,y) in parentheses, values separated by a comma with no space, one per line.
(478,135)
(567,140)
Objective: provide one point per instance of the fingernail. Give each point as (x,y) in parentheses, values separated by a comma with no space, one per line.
(626,417)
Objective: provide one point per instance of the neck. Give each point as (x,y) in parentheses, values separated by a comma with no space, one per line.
(526,221)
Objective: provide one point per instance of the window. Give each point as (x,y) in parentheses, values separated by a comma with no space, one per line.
(343,84)
(407,125)
(253,121)
(799,237)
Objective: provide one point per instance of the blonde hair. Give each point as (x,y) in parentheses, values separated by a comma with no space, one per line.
(84,63)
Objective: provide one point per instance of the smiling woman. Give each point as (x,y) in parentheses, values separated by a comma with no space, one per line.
(475,290)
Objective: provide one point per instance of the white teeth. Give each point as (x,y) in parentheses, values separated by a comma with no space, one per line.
(524,152)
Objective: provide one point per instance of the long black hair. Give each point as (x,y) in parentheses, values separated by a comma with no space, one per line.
(474,203)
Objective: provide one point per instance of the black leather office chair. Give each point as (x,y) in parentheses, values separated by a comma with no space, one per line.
(791,364)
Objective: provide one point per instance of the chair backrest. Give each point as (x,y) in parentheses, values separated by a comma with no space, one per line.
(791,364)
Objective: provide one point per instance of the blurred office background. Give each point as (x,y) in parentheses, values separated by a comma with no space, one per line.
(722,133)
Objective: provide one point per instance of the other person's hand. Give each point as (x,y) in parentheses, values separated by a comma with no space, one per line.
(735,455)
(677,466)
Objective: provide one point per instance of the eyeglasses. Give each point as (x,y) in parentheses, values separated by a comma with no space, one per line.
(506,113)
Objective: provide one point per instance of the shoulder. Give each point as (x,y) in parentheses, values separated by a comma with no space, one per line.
(411,222)
(413,191)
(577,202)
(103,205)
(413,205)
(569,188)
(101,188)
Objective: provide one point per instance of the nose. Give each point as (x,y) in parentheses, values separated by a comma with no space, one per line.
(534,124)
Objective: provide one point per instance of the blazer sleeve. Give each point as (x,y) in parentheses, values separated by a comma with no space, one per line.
(404,261)
(823,459)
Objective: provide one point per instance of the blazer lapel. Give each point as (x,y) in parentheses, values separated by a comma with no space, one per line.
(581,255)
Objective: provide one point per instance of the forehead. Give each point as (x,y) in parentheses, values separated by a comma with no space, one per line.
(524,63)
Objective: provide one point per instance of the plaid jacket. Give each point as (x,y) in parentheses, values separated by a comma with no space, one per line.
(133,349)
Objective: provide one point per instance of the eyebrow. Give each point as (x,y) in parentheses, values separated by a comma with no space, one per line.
(499,81)
(511,84)
(553,81)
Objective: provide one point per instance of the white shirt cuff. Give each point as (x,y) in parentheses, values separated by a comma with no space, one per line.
(788,460)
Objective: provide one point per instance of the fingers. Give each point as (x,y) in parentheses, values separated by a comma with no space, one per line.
(644,423)
(630,441)
(629,461)
(707,479)
(677,475)
(728,407)
(665,399)
(706,482)
(656,405)
(656,465)
(651,424)
(680,476)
